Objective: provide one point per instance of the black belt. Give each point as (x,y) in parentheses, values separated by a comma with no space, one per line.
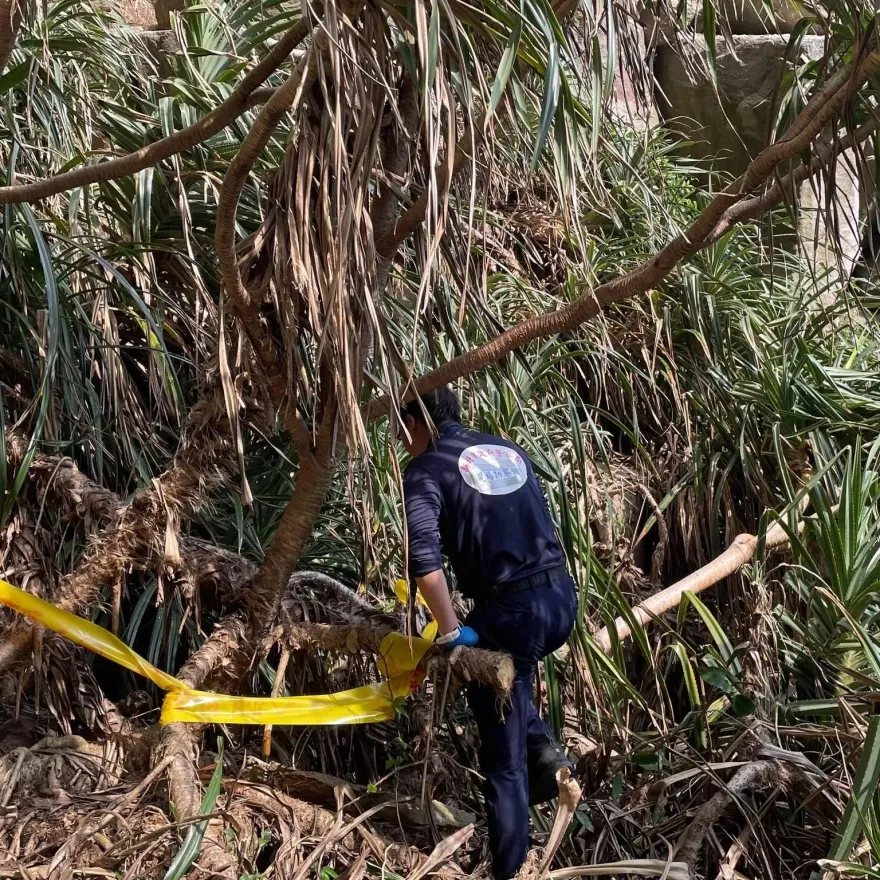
(541,579)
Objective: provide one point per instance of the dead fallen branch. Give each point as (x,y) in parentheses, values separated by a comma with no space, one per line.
(740,552)
(69,849)
(337,833)
(312,821)
(43,872)
(536,863)
(627,868)
(442,853)
(569,798)
(749,778)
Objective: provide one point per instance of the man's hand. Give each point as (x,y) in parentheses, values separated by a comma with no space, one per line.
(454,642)
(460,637)
(434,588)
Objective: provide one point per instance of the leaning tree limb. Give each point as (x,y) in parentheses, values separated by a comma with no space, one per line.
(820,110)
(203,565)
(123,166)
(59,475)
(785,187)
(740,552)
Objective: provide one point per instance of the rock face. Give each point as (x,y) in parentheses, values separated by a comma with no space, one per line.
(149,13)
(731,125)
(830,219)
(632,100)
(140,13)
(152,18)
(752,17)
(164,8)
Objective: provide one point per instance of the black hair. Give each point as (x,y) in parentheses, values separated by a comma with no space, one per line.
(442,405)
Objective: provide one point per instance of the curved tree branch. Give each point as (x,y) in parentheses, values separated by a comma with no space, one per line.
(648,274)
(740,552)
(752,208)
(218,119)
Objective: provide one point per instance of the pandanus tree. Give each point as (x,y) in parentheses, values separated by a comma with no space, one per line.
(347,169)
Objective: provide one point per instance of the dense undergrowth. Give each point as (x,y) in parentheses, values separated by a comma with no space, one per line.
(743,390)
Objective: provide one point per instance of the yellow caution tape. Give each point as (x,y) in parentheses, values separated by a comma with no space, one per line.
(401,590)
(85,633)
(398,661)
(399,658)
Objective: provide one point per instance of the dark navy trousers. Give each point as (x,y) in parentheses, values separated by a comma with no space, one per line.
(528,625)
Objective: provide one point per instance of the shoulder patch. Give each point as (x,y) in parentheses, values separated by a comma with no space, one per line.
(493,470)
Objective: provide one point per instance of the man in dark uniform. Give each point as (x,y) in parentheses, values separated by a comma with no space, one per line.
(475,499)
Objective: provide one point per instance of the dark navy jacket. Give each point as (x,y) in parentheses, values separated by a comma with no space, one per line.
(475,499)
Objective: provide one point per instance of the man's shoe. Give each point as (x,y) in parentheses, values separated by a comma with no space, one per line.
(544,761)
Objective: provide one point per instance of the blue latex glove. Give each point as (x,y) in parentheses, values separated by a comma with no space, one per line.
(466,637)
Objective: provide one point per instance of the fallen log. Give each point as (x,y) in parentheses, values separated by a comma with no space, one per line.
(490,668)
